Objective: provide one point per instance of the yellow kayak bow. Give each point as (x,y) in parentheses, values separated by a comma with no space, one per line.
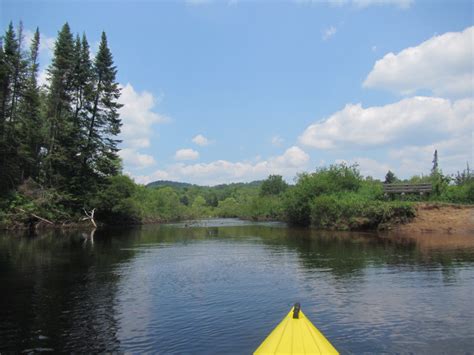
(296,335)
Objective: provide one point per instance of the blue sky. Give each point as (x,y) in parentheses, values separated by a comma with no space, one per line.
(279,87)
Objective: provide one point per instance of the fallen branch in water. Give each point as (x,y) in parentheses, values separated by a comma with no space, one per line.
(36,216)
(90,216)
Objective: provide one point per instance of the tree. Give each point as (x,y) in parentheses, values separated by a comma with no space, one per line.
(390,177)
(273,185)
(61,159)
(434,169)
(100,152)
(12,80)
(30,125)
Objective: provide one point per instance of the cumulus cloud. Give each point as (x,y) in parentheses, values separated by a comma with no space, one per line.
(186,154)
(368,166)
(453,154)
(329,32)
(413,120)
(138,119)
(201,140)
(293,160)
(135,159)
(442,64)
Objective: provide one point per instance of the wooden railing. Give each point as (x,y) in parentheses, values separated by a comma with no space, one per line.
(407,188)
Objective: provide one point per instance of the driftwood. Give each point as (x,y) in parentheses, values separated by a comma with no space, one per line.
(90,216)
(36,216)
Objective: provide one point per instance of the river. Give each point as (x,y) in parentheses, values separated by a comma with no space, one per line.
(220,286)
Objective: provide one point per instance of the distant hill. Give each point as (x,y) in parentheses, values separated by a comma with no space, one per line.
(176,184)
(161,183)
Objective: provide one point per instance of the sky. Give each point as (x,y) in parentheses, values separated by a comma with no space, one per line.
(229,91)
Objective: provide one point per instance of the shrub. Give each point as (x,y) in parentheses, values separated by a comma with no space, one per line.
(335,179)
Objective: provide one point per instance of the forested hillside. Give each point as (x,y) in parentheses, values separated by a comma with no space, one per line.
(58,141)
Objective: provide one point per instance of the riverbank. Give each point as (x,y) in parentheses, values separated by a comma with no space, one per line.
(440,218)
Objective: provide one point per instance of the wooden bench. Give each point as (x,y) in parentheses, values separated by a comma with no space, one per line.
(407,188)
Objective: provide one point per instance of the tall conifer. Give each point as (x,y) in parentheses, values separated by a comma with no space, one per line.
(30,125)
(61,147)
(100,155)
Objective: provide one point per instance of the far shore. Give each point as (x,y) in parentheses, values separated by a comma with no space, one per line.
(431,218)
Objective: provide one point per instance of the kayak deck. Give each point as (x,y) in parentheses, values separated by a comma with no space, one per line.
(296,336)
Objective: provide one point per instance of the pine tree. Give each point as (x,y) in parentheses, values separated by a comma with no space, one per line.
(390,177)
(100,153)
(82,79)
(434,169)
(10,50)
(12,87)
(30,125)
(61,146)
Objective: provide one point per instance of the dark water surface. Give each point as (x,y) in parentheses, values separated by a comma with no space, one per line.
(221,286)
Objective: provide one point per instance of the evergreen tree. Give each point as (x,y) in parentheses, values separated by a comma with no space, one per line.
(12,84)
(390,177)
(61,159)
(10,50)
(434,169)
(30,125)
(100,154)
(82,80)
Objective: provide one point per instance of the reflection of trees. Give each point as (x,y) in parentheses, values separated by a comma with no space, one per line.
(65,289)
(344,254)
(58,293)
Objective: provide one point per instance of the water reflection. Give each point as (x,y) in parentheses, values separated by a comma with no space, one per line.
(220,286)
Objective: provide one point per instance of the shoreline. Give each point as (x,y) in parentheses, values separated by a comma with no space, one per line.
(430,218)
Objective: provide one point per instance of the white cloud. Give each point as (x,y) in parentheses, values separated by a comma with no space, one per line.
(277,141)
(293,160)
(138,117)
(186,154)
(416,120)
(442,64)
(453,153)
(329,32)
(201,140)
(132,158)
(369,167)
(43,77)
(46,43)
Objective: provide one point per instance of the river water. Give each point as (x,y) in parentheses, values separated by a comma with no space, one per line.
(220,286)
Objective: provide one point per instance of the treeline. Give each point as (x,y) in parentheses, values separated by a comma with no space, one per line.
(334,197)
(58,145)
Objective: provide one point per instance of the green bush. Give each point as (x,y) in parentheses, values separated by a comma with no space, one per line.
(228,208)
(335,179)
(353,211)
(458,193)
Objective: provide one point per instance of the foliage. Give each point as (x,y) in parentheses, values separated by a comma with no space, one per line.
(351,211)
(390,177)
(333,179)
(63,135)
(273,185)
